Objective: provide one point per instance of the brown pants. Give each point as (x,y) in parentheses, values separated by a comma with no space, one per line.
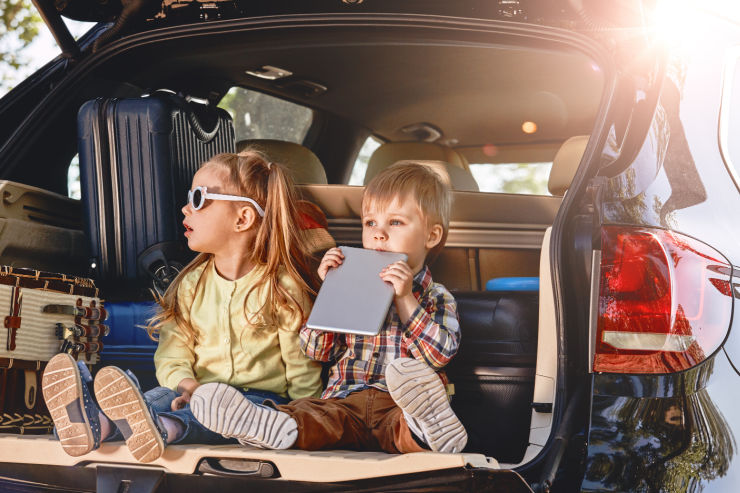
(364,420)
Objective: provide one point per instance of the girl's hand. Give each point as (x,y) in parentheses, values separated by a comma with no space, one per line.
(399,275)
(333,258)
(181,401)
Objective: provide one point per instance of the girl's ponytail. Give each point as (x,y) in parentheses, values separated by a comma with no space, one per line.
(278,242)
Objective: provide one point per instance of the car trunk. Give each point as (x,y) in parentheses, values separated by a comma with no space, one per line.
(509,374)
(505,363)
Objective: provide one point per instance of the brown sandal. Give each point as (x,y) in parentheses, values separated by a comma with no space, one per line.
(75,415)
(121,400)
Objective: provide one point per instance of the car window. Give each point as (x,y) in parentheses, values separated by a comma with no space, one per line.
(73,178)
(729,127)
(360,166)
(524,178)
(261,116)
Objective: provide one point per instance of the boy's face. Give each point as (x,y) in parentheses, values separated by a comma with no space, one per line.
(399,227)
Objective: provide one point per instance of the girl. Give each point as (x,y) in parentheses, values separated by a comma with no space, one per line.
(232,315)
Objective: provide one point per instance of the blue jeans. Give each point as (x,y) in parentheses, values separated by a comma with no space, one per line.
(160,400)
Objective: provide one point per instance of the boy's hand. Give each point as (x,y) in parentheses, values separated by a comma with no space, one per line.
(400,276)
(333,258)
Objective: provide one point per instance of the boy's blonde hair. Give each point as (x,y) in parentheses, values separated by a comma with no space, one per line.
(419,182)
(278,243)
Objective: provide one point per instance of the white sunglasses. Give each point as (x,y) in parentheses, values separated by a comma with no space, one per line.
(197,197)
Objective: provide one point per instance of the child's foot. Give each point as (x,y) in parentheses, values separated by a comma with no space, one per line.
(223,409)
(121,400)
(75,414)
(419,392)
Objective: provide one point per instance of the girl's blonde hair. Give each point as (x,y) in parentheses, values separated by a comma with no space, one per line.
(277,243)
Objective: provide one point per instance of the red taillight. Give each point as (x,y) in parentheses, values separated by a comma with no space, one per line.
(664,303)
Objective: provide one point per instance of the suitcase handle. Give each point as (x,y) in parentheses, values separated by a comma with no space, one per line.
(198,129)
(195,124)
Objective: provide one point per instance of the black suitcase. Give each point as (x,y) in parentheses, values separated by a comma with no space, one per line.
(137,160)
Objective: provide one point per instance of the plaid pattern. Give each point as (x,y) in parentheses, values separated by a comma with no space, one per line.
(432,335)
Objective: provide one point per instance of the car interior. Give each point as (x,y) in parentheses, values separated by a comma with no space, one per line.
(478,105)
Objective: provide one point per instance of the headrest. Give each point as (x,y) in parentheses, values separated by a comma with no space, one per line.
(392,152)
(300,161)
(456,178)
(565,163)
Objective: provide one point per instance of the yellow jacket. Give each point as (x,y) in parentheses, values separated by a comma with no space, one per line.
(226,348)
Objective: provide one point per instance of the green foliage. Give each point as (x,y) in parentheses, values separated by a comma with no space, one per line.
(523,178)
(261,116)
(526,179)
(19,27)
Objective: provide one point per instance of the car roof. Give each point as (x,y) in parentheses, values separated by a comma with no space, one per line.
(386,82)
(474,92)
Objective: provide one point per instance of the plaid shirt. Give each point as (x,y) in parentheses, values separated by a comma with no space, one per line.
(432,334)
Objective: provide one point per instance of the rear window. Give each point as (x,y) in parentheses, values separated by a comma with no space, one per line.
(261,116)
(360,167)
(523,178)
(73,178)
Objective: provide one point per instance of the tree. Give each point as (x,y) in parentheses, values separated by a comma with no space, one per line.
(261,116)
(526,178)
(19,27)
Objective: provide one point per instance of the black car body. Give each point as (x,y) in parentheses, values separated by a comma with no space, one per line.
(641,274)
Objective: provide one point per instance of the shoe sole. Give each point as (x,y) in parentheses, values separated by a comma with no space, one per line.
(223,409)
(61,386)
(121,401)
(418,390)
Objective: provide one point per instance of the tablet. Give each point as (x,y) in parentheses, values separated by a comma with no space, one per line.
(353,298)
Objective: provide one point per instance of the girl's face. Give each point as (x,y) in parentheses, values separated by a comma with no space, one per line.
(211,228)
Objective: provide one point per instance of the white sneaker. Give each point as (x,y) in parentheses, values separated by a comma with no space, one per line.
(419,392)
(223,409)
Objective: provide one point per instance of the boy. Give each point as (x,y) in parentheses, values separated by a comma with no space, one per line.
(383,391)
